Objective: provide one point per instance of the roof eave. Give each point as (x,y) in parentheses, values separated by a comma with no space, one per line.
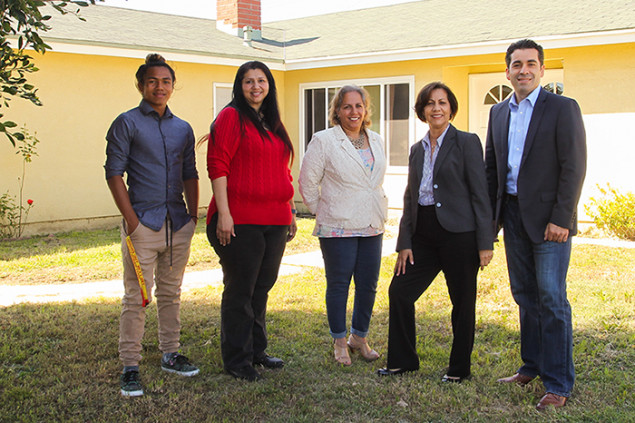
(59,45)
(470,49)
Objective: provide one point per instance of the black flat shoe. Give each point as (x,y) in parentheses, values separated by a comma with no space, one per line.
(454,379)
(393,372)
(267,361)
(247,373)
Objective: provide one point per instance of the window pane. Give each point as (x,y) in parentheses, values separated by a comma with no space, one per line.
(314,112)
(319,109)
(374,91)
(332,92)
(308,116)
(223,97)
(397,131)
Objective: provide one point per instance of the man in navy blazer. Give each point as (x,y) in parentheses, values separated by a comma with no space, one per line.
(536,162)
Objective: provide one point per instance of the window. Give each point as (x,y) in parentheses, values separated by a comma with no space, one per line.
(222,96)
(497,94)
(391,107)
(555,87)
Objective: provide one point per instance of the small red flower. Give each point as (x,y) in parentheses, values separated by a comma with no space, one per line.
(29,202)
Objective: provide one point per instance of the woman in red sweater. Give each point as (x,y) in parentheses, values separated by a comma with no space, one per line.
(251,216)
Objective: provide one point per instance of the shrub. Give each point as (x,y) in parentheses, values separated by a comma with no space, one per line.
(614,212)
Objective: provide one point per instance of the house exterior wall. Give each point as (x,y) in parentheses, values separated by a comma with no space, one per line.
(83,94)
(600,78)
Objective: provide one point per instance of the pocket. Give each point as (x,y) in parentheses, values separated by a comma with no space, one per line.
(124,228)
(192,226)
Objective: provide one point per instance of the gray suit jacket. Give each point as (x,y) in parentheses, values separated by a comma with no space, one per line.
(552,168)
(460,189)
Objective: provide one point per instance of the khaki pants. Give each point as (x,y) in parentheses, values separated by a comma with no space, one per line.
(154,257)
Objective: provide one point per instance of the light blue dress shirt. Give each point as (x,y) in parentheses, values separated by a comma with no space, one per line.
(519,118)
(426,190)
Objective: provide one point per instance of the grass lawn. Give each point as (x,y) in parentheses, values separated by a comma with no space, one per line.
(96,255)
(58,361)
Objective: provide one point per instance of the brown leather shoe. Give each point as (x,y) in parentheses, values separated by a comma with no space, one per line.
(518,379)
(549,400)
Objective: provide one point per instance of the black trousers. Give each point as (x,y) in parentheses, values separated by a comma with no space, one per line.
(250,265)
(434,250)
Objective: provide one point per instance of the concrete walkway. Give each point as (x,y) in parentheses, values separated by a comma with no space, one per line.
(291,264)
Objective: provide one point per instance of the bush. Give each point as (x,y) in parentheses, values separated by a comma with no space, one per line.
(614,212)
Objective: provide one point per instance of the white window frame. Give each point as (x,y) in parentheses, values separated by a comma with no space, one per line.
(406,79)
(216,108)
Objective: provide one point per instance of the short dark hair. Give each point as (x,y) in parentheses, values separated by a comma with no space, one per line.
(152,60)
(424,96)
(523,45)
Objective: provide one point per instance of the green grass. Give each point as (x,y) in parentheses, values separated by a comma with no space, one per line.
(59,362)
(96,255)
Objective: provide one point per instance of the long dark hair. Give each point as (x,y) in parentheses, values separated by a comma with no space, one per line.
(269,108)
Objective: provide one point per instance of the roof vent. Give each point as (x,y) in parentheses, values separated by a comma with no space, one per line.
(247,30)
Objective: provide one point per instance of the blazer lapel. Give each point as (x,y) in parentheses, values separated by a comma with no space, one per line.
(348,148)
(501,126)
(536,117)
(446,146)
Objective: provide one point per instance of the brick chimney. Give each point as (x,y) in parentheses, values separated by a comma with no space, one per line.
(232,16)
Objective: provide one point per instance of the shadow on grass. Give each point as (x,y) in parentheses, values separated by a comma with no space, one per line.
(58,362)
(66,242)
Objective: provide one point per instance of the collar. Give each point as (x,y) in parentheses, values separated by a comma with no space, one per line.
(147,109)
(532,98)
(426,140)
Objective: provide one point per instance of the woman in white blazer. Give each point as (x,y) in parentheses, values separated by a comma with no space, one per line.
(341,183)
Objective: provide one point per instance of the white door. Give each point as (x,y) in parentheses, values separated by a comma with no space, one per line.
(487,89)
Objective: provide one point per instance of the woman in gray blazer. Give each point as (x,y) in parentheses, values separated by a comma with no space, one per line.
(446,226)
(341,183)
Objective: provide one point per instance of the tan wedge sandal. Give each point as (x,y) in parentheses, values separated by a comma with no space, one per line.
(359,344)
(341,354)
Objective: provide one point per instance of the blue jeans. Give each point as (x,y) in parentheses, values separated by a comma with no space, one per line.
(537,274)
(346,258)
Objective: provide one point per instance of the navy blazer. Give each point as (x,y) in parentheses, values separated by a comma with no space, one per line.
(552,167)
(459,187)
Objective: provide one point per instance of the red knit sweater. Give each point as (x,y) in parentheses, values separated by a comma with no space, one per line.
(257,169)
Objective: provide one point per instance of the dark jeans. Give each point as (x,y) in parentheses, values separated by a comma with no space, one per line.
(250,265)
(538,279)
(345,258)
(434,250)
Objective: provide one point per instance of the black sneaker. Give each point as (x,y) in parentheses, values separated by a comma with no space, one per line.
(131,384)
(180,365)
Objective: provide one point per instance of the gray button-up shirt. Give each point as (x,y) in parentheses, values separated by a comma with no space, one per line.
(157,153)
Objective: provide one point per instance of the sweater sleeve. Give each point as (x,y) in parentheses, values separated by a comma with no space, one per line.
(224,143)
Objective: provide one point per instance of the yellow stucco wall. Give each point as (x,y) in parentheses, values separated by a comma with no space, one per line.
(82,94)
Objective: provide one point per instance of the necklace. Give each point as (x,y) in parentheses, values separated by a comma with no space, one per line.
(358,143)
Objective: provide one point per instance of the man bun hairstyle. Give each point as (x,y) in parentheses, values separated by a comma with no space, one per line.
(153,60)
